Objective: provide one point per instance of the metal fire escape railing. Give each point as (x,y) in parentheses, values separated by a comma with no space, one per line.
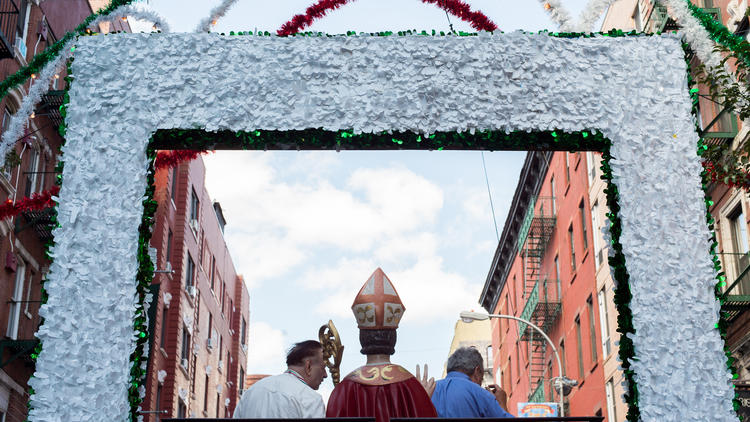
(8,23)
(736,298)
(542,295)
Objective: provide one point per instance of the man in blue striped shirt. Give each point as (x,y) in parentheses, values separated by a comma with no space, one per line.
(460,395)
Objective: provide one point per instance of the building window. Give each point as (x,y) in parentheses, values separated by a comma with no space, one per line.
(163,338)
(241,384)
(579,348)
(604,322)
(518,362)
(170,237)
(210,330)
(591,164)
(611,410)
(213,272)
(174,183)
(185,346)
(194,205)
(181,409)
(597,232)
(592,328)
(567,167)
(243,328)
(14,310)
(509,374)
(557,278)
(562,356)
(637,20)
(584,232)
(205,396)
(23,21)
(30,175)
(490,362)
(738,232)
(157,404)
(572,249)
(218,404)
(550,375)
(28,294)
(223,295)
(190,273)
(552,190)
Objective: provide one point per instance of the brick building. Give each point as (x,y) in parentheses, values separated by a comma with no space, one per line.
(545,270)
(27,27)
(200,311)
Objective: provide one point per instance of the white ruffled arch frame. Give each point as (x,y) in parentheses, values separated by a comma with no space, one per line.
(631,89)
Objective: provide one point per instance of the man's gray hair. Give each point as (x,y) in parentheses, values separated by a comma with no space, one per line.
(466,360)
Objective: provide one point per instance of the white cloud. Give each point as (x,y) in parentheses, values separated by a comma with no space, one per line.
(272,223)
(266,351)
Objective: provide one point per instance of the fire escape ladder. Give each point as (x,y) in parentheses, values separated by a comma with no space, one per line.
(537,367)
(542,304)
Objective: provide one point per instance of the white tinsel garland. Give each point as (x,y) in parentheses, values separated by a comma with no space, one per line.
(39,87)
(216,13)
(134,12)
(593,11)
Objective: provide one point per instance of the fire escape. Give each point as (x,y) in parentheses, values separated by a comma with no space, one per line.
(541,294)
(8,23)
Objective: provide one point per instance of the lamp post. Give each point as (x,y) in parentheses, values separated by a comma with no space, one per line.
(468,316)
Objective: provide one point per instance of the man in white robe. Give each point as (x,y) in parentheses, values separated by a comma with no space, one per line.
(290,394)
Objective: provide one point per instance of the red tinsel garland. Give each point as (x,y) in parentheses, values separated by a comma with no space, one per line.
(42,200)
(38,201)
(167,159)
(457,8)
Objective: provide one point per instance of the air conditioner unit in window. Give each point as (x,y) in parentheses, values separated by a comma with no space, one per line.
(184,363)
(192,291)
(194,225)
(210,343)
(221,365)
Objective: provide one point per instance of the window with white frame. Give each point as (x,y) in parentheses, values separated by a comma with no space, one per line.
(32,168)
(738,233)
(591,162)
(22,23)
(610,390)
(14,307)
(597,234)
(7,169)
(28,295)
(604,322)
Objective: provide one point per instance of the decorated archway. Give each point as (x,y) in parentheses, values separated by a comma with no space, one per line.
(381,92)
(626,96)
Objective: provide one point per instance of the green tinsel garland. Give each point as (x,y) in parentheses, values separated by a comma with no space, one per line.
(720,34)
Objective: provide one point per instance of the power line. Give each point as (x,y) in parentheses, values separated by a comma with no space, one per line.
(489,193)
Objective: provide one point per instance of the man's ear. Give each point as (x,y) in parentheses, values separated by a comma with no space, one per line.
(308,366)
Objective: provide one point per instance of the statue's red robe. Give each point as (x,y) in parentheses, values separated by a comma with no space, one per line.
(383,391)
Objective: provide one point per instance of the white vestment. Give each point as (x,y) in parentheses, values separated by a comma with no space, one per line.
(280,396)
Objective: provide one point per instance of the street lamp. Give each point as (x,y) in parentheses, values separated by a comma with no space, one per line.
(561,381)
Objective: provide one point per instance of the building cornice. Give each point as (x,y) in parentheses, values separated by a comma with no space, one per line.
(530,182)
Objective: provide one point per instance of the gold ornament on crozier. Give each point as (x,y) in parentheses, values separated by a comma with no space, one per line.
(332,348)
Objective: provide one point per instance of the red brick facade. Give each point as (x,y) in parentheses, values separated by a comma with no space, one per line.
(567,264)
(210,318)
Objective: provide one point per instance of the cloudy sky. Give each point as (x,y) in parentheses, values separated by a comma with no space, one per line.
(306,229)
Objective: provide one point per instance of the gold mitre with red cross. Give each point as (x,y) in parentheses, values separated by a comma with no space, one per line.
(377,305)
